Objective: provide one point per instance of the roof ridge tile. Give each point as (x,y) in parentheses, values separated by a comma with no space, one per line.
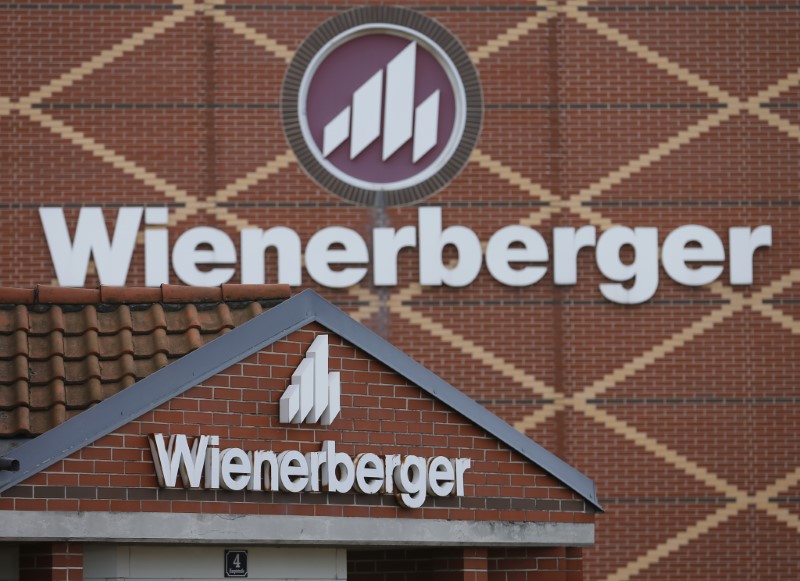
(126,295)
(174,293)
(44,294)
(57,295)
(254,292)
(16,296)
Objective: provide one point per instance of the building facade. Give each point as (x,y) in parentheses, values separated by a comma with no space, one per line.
(295,445)
(674,389)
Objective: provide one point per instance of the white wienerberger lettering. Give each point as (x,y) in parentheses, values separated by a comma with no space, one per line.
(338,257)
(204,465)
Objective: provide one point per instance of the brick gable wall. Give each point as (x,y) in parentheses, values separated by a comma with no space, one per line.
(381,413)
(478,564)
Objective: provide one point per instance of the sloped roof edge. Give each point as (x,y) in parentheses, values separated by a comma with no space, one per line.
(275,324)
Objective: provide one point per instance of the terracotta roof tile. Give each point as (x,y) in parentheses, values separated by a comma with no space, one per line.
(63,350)
(15,422)
(118,320)
(128,295)
(14,369)
(107,389)
(110,370)
(77,395)
(190,294)
(182,319)
(45,396)
(216,319)
(150,344)
(113,346)
(14,319)
(16,296)
(207,337)
(14,343)
(250,312)
(42,421)
(253,292)
(144,367)
(45,321)
(55,295)
(149,319)
(14,394)
(43,372)
(42,347)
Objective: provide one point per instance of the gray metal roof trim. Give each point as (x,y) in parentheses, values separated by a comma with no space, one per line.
(252,336)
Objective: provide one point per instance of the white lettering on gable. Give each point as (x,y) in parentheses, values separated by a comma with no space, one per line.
(338,257)
(414,478)
(176,458)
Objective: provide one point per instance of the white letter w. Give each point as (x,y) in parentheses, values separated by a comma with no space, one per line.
(71,259)
(176,457)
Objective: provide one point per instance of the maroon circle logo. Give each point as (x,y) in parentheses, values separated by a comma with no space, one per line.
(388,119)
(379,112)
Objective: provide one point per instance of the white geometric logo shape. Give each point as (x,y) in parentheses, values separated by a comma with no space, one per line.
(314,394)
(361,122)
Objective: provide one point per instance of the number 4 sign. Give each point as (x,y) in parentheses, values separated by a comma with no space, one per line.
(235,563)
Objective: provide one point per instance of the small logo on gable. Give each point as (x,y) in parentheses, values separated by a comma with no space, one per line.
(314,394)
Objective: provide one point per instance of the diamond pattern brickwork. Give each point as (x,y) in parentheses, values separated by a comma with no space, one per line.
(598,112)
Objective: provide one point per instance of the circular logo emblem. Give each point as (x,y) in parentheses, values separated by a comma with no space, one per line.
(382,106)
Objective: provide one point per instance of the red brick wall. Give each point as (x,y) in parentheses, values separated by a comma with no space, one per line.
(381,413)
(672,443)
(444,563)
(51,562)
(535,564)
(480,564)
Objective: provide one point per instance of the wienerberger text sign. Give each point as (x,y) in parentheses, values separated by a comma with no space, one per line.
(205,465)
(339,257)
(383,107)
